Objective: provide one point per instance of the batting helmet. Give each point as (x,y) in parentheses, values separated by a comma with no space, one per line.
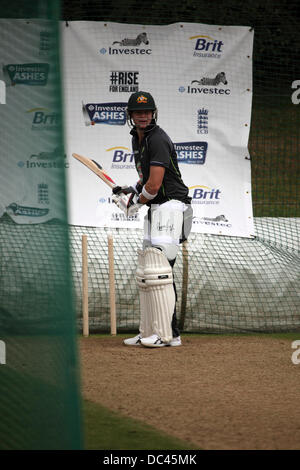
(141,100)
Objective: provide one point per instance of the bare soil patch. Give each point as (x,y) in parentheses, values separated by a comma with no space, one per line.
(216,392)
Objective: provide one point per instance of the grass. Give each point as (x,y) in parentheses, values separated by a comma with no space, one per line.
(274,146)
(105,429)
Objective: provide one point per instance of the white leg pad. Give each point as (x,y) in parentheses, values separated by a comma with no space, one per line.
(160,292)
(145,312)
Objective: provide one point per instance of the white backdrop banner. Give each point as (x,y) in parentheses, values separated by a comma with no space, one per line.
(201,79)
(31,151)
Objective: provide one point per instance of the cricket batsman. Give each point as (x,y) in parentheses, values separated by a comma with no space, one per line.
(167,223)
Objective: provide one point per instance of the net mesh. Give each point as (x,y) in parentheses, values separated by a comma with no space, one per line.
(39,406)
(223,283)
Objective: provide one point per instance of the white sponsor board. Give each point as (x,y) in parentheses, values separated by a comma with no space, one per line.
(31,189)
(201,79)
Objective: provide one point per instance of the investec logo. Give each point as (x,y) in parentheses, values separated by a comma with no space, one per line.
(104,113)
(191,152)
(26,211)
(44,119)
(218,221)
(212,85)
(129,46)
(204,195)
(26,74)
(121,157)
(51,159)
(206,46)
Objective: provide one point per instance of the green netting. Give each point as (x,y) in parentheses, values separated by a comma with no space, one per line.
(223,283)
(39,406)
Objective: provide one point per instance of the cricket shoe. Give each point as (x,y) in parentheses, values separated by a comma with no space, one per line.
(154,341)
(176,341)
(136,341)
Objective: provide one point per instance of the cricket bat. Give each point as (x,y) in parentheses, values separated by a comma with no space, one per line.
(96,168)
(121,201)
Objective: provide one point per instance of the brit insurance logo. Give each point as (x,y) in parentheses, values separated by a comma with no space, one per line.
(124,81)
(44,119)
(26,74)
(113,114)
(122,158)
(205,195)
(212,85)
(191,152)
(129,46)
(207,46)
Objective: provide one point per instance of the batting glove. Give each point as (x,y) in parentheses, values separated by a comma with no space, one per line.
(123,190)
(135,189)
(133,209)
(128,203)
(121,201)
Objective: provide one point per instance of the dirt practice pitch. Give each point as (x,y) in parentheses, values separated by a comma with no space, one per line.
(216,392)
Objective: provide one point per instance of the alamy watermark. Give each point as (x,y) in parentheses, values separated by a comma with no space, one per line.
(2,352)
(296,94)
(296,354)
(2,92)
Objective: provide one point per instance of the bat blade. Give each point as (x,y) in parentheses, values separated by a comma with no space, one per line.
(120,200)
(96,168)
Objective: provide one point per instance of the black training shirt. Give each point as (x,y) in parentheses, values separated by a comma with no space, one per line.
(157,149)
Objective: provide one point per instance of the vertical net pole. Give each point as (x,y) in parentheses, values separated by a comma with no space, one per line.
(112,292)
(85,287)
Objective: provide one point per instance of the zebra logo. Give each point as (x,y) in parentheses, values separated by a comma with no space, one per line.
(141,38)
(219,218)
(219,78)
